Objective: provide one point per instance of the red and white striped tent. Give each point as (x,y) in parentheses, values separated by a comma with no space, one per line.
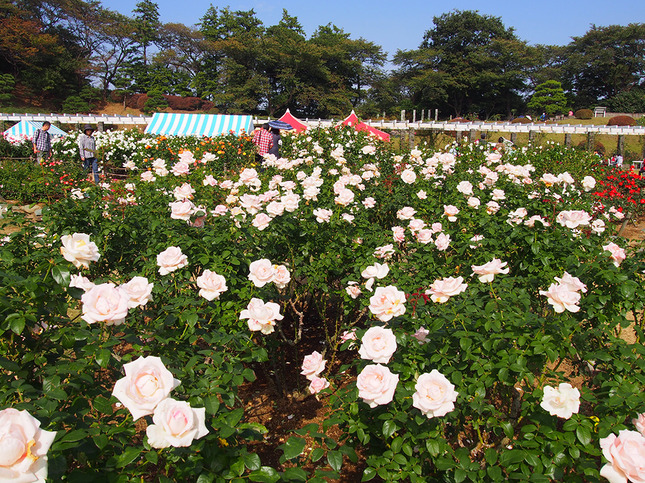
(294,122)
(355,122)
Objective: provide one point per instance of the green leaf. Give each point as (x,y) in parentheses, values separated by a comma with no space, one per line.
(266,474)
(211,403)
(129,455)
(100,440)
(389,427)
(102,357)
(294,474)
(252,461)
(317,453)
(61,276)
(102,405)
(335,459)
(368,474)
(152,456)
(511,457)
(17,324)
(293,447)
(584,435)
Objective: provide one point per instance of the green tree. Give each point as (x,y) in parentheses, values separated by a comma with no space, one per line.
(7,83)
(604,62)
(467,62)
(548,98)
(155,102)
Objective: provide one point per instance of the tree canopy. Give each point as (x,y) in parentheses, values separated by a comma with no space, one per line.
(76,52)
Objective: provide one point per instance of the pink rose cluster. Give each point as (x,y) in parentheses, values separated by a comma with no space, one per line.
(387,302)
(109,303)
(487,271)
(435,395)
(145,390)
(565,295)
(625,454)
(263,271)
(312,366)
(261,316)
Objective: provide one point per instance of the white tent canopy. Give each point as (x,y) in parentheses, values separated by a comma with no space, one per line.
(210,125)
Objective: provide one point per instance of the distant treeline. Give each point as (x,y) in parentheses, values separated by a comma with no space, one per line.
(72,55)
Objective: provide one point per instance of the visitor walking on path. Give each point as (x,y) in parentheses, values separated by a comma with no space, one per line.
(87,148)
(262,139)
(42,143)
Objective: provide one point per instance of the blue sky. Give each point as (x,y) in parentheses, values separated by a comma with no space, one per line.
(401,25)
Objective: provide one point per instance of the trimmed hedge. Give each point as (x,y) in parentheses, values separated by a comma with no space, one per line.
(584,114)
(621,121)
(521,120)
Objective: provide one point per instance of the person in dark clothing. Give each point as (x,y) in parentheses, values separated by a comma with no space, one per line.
(277,140)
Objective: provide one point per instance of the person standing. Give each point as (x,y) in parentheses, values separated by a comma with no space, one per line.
(42,143)
(262,139)
(87,149)
(276,141)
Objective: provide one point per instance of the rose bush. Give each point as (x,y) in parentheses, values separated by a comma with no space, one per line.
(497,345)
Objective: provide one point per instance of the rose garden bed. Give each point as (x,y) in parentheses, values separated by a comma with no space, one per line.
(343,313)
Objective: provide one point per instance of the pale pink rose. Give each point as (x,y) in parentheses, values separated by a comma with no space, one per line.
(492,207)
(639,422)
(147,382)
(176,424)
(291,202)
(598,226)
(493,157)
(416,224)
(422,195)
(625,456)
(561,402)
(187,157)
(249,176)
(588,183)
(148,176)
(180,168)
(517,216)
(435,395)
(353,290)
(261,272)
(386,251)
(465,188)
(318,384)
(421,335)
(378,345)
(78,281)
(348,335)
(424,236)
(347,217)
(209,180)
(79,250)
(281,276)
(562,298)
(387,302)
(261,316)
(474,202)
(138,290)
(398,232)
(275,208)
(181,210)
(345,197)
(158,163)
(408,176)
(219,210)
(498,195)
(183,192)
(441,290)
(261,221)
(311,193)
(322,215)
(573,283)
(211,285)
(369,202)
(376,385)
(377,270)
(617,254)
(573,218)
(442,242)
(406,213)
(23,447)
(171,259)
(566,178)
(227,184)
(436,227)
(476,241)
(549,179)
(487,271)
(313,365)
(369,284)
(535,219)
(104,303)
(251,203)
(451,212)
